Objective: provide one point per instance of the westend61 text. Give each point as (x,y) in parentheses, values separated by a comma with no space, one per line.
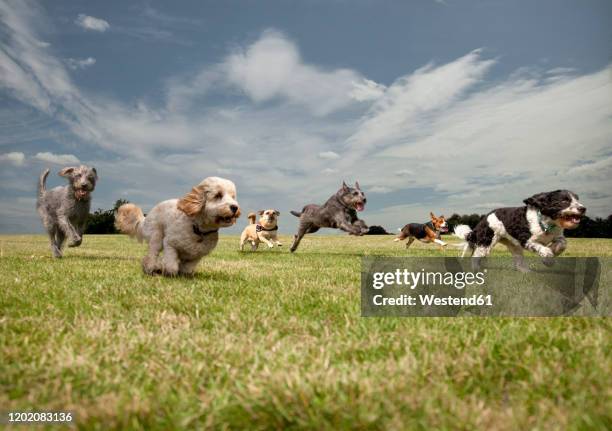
(409,300)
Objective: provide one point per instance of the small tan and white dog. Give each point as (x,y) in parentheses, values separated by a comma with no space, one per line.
(265,230)
(185,229)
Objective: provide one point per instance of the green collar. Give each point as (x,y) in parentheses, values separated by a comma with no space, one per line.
(546,228)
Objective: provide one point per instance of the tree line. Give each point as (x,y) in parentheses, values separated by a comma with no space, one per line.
(103,222)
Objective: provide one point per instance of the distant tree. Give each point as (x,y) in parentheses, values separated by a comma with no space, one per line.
(377,230)
(592,228)
(102,222)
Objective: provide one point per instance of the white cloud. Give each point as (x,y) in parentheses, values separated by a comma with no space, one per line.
(379,189)
(328,155)
(271,68)
(92,23)
(15,158)
(80,63)
(58,159)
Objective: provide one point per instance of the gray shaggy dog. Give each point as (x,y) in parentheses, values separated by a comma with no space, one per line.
(339,212)
(64,210)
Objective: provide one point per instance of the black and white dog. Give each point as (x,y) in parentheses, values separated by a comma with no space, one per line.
(538,226)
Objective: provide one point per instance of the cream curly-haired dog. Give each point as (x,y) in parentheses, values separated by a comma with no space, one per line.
(184,229)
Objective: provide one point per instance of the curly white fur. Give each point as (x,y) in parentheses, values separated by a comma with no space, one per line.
(184,229)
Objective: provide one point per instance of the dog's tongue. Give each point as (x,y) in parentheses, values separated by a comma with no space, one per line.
(80,194)
(359,206)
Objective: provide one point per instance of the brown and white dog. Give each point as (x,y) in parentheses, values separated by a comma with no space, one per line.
(265,230)
(424,232)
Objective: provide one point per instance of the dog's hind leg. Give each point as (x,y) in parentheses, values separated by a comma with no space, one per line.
(150,263)
(170,261)
(409,242)
(517,256)
(302,230)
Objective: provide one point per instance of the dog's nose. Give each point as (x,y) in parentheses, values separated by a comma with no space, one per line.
(582,209)
(234,208)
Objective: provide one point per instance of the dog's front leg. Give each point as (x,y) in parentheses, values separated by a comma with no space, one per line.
(544,252)
(558,245)
(353,230)
(266,241)
(170,261)
(441,243)
(74,239)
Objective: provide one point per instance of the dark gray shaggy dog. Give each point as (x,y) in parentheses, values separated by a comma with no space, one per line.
(339,212)
(64,209)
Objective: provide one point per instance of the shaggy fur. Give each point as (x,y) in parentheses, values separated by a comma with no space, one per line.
(339,212)
(184,229)
(538,226)
(424,232)
(64,210)
(266,230)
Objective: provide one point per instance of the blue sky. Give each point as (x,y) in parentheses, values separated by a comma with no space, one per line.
(450,106)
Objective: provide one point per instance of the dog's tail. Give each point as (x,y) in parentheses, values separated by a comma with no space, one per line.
(295,213)
(42,183)
(252,217)
(463,232)
(129,220)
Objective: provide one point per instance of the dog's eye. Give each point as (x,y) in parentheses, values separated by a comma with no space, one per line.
(355,193)
(218,195)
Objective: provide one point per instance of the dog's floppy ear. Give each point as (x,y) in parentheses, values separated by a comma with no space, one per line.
(260,212)
(66,172)
(194,201)
(357,185)
(539,200)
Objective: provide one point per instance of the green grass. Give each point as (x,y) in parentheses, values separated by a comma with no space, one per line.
(271,340)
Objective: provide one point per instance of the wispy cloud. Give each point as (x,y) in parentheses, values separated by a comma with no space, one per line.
(271,68)
(16,158)
(57,159)
(92,23)
(80,63)
(328,155)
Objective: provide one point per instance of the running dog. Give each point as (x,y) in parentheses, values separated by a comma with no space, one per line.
(339,212)
(265,230)
(538,226)
(426,232)
(185,229)
(64,210)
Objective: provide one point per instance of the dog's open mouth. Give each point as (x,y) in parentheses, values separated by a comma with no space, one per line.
(570,221)
(359,206)
(443,229)
(228,220)
(81,193)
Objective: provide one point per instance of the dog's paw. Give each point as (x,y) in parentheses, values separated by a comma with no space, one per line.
(548,261)
(546,252)
(75,242)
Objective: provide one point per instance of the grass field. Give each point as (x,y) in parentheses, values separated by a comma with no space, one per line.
(271,340)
